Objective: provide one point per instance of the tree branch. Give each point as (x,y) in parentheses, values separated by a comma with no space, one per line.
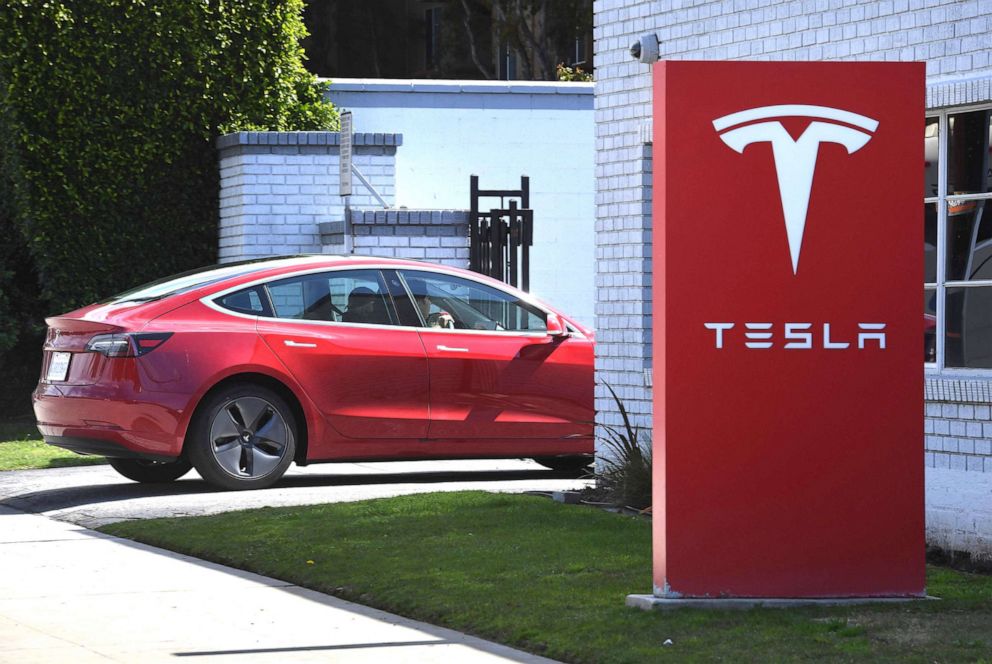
(473,50)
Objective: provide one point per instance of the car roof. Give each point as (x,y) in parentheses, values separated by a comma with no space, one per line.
(225,275)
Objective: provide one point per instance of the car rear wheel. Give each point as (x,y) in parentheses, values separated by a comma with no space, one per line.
(243,437)
(140,470)
(566,462)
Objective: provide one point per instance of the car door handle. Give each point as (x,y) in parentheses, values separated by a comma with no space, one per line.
(449,349)
(297,344)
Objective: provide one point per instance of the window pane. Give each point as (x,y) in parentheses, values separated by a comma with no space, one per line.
(930,243)
(969,241)
(968,341)
(447,301)
(249,301)
(287,298)
(347,296)
(968,153)
(929,325)
(931,157)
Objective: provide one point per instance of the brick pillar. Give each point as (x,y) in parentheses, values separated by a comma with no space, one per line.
(277,187)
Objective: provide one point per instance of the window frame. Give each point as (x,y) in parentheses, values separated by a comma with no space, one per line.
(942,200)
(403,271)
(208,300)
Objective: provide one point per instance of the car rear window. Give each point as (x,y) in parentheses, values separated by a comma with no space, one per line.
(251,301)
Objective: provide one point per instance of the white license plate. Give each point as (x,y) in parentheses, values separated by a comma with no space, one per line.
(58,368)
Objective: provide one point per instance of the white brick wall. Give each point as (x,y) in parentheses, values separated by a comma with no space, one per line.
(438,236)
(953,37)
(959,513)
(276,187)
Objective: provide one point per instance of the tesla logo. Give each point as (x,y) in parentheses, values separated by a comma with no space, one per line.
(795,159)
(797,336)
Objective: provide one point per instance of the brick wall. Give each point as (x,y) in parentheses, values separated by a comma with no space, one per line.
(276,187)
(958,425)
(438,236)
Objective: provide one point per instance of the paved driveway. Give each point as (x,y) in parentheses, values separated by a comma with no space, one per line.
(92,496)
(68,594)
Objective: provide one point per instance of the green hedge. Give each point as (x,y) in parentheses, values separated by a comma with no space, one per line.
(108,113)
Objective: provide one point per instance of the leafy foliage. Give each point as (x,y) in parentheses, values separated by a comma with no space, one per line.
(624,474)
(573,74)
(108,111)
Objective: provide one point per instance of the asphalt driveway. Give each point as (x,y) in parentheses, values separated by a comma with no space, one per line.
(91,496)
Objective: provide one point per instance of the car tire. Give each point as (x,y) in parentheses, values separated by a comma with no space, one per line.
(242,437)
(151,472)
(566,462)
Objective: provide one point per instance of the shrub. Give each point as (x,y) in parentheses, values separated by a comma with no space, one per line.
(108,114)
(623,475)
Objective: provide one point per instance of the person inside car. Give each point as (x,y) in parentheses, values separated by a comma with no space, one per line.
(439,318)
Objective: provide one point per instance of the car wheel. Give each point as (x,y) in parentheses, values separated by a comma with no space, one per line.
(243,437)
(566,462)
(141,470)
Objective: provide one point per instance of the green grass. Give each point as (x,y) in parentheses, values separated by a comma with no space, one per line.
(552,578)
(21,447)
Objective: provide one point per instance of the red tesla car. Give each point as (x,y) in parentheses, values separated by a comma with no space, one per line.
(240,369)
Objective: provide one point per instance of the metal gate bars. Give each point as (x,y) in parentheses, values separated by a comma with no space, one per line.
(500,239)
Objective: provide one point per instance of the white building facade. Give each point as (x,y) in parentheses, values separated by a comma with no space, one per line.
(954,38)
(498,130)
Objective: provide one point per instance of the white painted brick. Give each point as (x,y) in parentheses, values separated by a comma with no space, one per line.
(975,463)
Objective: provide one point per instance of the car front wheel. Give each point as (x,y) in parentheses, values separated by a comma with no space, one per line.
(140,470)
(243,437)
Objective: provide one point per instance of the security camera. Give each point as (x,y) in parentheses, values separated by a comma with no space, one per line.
(645,49)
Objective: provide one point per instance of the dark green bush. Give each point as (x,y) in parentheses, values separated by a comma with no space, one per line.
(108,113)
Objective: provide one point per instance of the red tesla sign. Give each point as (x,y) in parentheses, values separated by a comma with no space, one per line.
(788,391)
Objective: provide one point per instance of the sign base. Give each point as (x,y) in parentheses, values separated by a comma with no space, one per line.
(655,603)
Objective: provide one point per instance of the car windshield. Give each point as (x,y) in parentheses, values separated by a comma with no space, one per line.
(187,281)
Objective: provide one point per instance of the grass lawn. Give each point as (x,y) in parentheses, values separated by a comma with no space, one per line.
(551,579)
(21,447)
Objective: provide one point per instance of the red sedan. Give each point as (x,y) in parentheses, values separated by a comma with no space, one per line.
(240,369)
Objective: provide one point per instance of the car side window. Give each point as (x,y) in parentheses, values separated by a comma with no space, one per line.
(446,301)
(251,301)
(341,296)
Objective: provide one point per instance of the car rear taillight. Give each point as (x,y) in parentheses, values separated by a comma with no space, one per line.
(127,345)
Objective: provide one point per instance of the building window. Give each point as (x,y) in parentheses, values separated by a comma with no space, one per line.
(432,37)
(957,291)
(507,63)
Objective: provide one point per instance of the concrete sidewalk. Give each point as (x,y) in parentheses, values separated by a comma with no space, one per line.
(68,594)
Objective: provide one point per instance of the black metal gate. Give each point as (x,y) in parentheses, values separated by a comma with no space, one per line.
(502,237)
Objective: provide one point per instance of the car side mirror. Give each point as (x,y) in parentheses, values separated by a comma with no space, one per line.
(556,326)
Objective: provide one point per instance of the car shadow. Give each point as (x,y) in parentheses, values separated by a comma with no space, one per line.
(62,498)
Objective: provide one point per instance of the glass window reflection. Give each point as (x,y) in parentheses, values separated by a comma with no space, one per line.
(968,144)
(929,325)
(931,157)
(930,243)
(968,340)
(969,241)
